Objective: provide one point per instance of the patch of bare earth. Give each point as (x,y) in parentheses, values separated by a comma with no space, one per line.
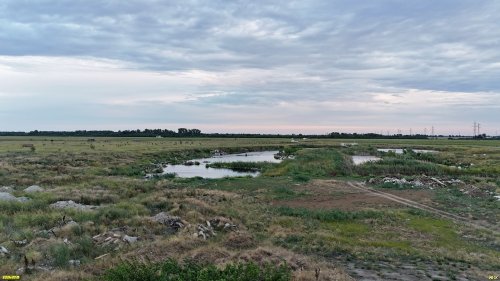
(332,194)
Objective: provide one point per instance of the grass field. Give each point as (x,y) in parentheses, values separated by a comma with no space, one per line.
(302,214)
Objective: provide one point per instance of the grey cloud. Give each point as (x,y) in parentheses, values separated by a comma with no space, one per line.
(312,50)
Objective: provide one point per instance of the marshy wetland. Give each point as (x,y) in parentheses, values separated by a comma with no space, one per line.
(97,216)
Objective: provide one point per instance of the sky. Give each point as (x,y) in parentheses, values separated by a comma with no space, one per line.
(312,66)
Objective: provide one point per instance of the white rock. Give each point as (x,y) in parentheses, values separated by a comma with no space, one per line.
(8,189)
(72,205)
(3,251)
(5,196)
(130,239)
(34,188)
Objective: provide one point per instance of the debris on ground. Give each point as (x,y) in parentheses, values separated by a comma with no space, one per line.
(20,243)
(173,222)
(70,204)
(436,183)
(207,229)
(114,238)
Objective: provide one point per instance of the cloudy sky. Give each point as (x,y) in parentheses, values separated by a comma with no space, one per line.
(251,66)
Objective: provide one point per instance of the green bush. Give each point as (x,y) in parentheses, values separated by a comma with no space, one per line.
(61,254)
(170,270)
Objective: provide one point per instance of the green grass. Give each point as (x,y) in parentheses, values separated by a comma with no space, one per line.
(327,215)
(311,163)
(170,270)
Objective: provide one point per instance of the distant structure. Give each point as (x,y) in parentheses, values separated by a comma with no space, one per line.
(477,129)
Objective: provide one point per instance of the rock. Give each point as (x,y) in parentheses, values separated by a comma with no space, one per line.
(20,243)
(4,251)
(23,199)
(7,189)
(5,196)
(34,188)
(130,239)
(173,222)
(75,263)
(72,205)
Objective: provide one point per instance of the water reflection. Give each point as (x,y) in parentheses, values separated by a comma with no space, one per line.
(201,170)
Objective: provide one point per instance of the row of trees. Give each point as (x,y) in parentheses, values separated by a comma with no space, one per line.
(184,132)
(181,132)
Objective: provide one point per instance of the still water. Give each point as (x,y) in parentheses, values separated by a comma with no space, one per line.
(358,160)
(201,170)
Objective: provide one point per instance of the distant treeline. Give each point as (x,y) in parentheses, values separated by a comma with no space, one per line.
(184,132)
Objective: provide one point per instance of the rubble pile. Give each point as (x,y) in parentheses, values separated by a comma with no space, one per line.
(115,238)
(436,183)
(422,181)
(208,229)
(172,222)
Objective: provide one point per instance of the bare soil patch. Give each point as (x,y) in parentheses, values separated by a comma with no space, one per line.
(332,194)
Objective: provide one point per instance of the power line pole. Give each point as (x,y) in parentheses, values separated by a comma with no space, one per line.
(432,131)
(475,128)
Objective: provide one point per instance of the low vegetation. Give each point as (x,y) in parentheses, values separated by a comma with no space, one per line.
(301,219)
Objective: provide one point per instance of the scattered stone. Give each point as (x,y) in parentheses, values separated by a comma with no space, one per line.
(20,243)
(207,230)
(23,199)
(115,238)
(173,222)
(72,205)
(222,224)
(33,188)
(433,183)
(7,189)
(130,239)
(4,252)
(31,269)
(75,263)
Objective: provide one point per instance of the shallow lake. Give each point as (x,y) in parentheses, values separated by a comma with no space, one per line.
(201,170)
(358,160)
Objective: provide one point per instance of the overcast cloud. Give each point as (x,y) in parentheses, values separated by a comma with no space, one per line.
(250,66)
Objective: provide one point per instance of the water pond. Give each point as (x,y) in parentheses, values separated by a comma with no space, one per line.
(358,160)
(203,171)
